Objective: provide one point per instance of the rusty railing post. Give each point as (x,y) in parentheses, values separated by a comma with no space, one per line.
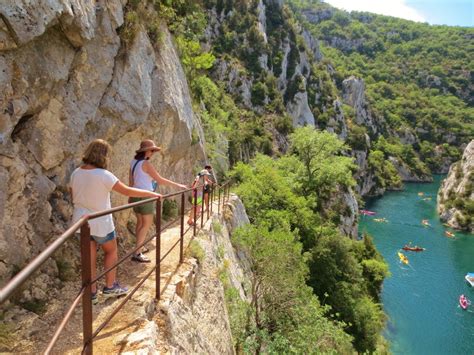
(202,207)
(87,296)
(195,192)
(208,193)
(211,198)
(219,200)
(158,249)
(181,240)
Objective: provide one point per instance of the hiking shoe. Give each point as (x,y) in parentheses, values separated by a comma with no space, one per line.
(115,291)
(140,258)
(95,300)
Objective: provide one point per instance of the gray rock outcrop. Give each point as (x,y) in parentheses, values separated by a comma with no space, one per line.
(349,219)
(313,44)
(66,78)
(196,315)
(299,109)
(456,194)
(366,184)
(407,174)
(353,94)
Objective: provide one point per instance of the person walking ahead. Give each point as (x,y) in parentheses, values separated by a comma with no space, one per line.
(91,185)
(202,178)
(144,176)
(209,182)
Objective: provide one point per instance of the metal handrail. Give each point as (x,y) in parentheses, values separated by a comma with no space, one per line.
(39,260)
(85,292)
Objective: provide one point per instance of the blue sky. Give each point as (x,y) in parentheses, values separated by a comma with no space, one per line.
(439,12)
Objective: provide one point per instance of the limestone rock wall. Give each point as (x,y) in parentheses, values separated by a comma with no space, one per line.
(353,94)
(195,313)
(66,78)
(456,194)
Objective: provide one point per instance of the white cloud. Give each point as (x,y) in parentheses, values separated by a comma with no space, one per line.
(395,8)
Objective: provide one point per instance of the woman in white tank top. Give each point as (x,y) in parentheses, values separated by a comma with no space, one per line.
(144,176)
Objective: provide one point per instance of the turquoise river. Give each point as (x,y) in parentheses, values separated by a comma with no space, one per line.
(421,299)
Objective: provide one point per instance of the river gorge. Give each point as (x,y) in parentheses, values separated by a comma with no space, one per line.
(421,299)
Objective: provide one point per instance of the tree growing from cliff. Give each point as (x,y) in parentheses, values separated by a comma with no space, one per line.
(347,275)
(286,316)
(321,166)
(281,197)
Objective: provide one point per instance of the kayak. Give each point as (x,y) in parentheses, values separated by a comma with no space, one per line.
(426,223)
(470,278)
(367,212)
(380,220)
(449,234)
(464,302)
(403,258)
(415,248)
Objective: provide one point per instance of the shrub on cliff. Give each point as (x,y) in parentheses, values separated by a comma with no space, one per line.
(283,199)
(285,316)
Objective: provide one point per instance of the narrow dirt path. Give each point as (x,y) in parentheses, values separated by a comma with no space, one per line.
(133,316)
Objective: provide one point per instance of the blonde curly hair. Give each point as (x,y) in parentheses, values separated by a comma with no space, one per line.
(97,154)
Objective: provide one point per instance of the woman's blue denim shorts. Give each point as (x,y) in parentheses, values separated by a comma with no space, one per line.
(103,240)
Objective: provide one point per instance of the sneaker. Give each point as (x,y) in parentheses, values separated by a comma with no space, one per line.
(95,300)
(140,258)
(115,291)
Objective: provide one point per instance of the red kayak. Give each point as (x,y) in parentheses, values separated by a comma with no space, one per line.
(464,302)
(415,248)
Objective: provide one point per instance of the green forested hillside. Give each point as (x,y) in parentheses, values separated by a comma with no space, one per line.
(417,75)
(256,73)
(286,200)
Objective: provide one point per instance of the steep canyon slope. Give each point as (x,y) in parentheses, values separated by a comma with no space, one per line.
(67,78)
(241,73)
(456,195)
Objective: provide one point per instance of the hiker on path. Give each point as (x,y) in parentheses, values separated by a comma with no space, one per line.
(143,175)
(202,178)
(209,181)
(91,185)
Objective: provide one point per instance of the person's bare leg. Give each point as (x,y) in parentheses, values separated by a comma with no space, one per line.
(206,201)
(147,221)
(138,228)
(110,258)
(191,214)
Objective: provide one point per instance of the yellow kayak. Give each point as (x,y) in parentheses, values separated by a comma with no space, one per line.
(403,258)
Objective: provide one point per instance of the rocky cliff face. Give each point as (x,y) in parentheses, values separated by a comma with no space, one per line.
(196,315)
(66,78)
(353,94)
(456,195)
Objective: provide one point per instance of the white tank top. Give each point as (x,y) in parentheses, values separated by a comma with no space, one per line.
(141,180)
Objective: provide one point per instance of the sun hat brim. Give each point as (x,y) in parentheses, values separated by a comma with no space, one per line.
(154,148)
